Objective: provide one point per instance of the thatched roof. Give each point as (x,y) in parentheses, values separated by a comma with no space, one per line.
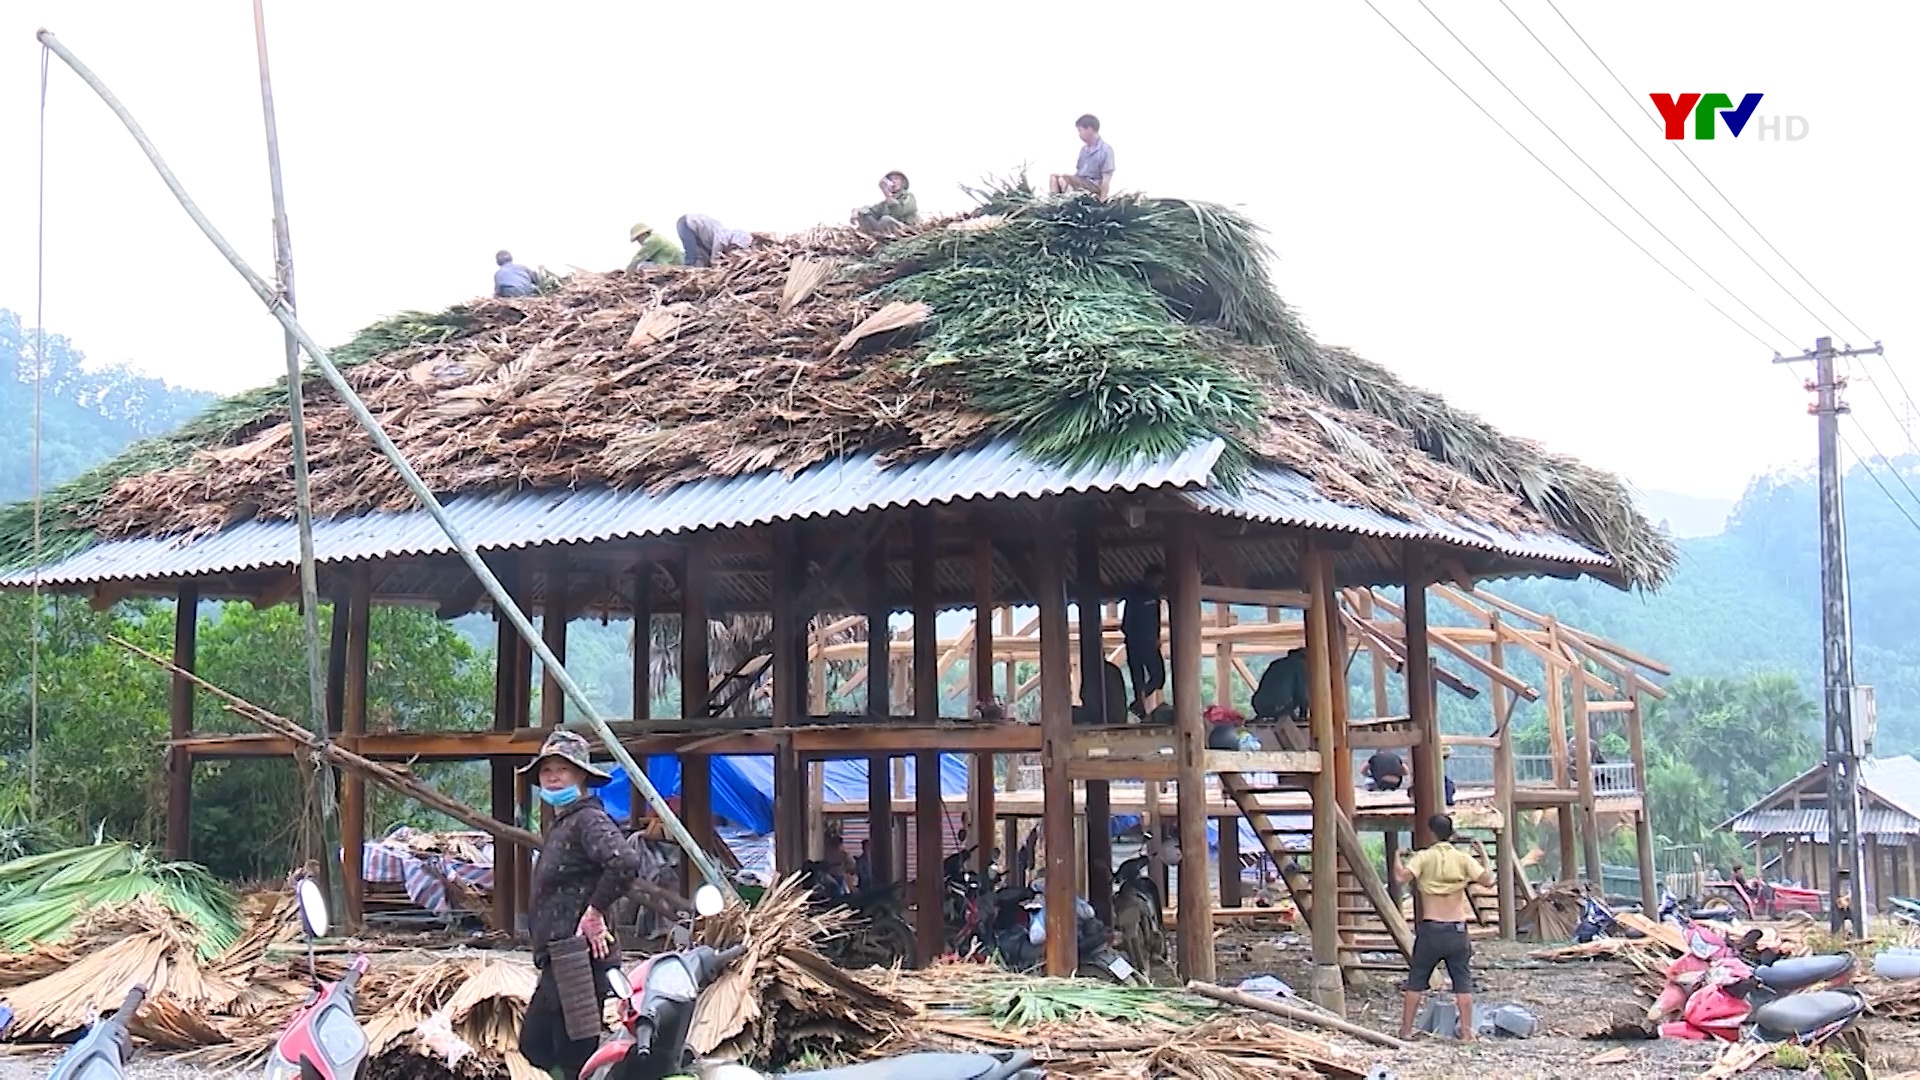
(1089,331)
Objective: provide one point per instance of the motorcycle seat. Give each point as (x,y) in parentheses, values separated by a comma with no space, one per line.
(928,1067)
(1799,972)
(1802,1014)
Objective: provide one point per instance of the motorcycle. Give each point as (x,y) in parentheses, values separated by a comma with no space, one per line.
(1804,1003)
(1599,920)
(103,1052)
(322,1041)
(1094,944)
(881,936)
(650,1042)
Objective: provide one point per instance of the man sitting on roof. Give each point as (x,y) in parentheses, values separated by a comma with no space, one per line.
(653,250)
(703,238)
(896,209)
(511,279)
(1094,171)
(1282,693)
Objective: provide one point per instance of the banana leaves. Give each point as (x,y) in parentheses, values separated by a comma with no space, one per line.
(42,895)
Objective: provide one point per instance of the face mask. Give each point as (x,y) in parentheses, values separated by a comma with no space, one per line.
(563,797)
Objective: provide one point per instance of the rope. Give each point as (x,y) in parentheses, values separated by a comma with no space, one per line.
(39,376)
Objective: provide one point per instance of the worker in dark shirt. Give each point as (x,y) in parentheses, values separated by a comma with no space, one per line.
(1385,771)
(585,866)
(1140,630)
(1282,693)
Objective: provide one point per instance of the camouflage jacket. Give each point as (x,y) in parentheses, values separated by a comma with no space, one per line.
(585,862)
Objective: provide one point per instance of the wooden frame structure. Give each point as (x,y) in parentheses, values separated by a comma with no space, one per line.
(986,553)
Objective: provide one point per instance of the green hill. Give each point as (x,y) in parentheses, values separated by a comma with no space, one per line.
(1748,600)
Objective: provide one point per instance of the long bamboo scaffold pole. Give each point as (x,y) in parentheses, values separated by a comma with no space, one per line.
(503,602)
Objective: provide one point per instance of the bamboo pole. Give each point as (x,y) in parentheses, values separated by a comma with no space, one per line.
(1295,1013)
(503,603)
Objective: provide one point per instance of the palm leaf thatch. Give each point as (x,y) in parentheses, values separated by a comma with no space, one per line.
(1090,331)
(43,896)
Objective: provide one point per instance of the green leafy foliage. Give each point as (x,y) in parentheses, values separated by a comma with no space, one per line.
(41,895)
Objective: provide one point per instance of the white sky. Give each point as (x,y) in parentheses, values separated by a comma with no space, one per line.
(420,137)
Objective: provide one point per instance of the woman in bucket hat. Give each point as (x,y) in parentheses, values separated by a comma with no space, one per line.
(585,866)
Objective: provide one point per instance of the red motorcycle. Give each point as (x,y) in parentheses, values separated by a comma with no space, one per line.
(323,1041)
(1755,899)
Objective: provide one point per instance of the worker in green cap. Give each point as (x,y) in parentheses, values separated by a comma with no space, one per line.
(654,251)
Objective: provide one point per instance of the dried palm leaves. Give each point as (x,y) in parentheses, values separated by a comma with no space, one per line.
(42,895)
(1091,330)
(782,1000)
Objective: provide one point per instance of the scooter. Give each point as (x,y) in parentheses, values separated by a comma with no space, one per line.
(103,1052)
(651,1040)
(323,1041)
(1599,920)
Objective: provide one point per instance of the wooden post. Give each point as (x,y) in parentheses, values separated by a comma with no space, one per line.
(337,669)
(521,701)
(1093,698)
(1557,745)
(1642,825)
(984,833)
(553,700)
(1230,862)
(1503,847)
(929,806)
(1391,847)
(696,682)
(789,696)
(1325,986)
(1365,614)
(186,622)
(1183,617)
(1583,749)
(1056,742)
(1428,786)
(506,652)
(642,673)
(353,787)
(879,704)
(1913,876)
(1871,885)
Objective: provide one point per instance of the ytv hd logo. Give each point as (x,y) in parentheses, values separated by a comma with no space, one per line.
(1704,108)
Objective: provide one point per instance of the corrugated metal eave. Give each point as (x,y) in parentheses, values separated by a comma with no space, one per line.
(526,519)
(1813,822)
(1283,497)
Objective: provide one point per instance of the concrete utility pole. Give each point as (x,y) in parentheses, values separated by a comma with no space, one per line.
(1836,624)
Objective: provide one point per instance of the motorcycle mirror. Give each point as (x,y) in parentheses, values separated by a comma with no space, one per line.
(1170,855)
(707,901)
(617,982)
(313,908)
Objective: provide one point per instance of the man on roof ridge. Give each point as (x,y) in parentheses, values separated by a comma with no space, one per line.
(704,237)
(653,250)
(896,209)
(1094,170)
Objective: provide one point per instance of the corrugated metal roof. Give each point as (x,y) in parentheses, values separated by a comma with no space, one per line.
(1282,496)
(844,486)
(1893,780)
(1876,821)
(525,519)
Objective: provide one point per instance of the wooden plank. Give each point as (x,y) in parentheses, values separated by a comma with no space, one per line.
(1299,762)
(1226,594)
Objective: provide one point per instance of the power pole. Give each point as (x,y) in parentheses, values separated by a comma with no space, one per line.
(1836,625)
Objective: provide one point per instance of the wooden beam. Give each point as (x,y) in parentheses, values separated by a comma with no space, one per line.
(879,706)
(1093,698)
(1056,726)
(1503,783)
(928,806)
(506,650)
(1226,594)
(1428,794)
(696,676)
(1183,617)
(1325,985)
(1583,772)
(1446,639)
(789,694)
(186,622)
(1591,640)
(353,788)
(982,779)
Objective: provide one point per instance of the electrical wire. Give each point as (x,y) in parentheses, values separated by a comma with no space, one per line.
(1709,180)
(1663,170)
(1597,175)
(1867,467)
(1563,180)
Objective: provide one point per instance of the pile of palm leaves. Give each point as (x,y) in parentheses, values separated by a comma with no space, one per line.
(41,896)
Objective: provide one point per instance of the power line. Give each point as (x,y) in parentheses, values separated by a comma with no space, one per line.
(1875,477)
(1596,174)
(1709,180)
(1877,452)
(1663,171)
(1563,180)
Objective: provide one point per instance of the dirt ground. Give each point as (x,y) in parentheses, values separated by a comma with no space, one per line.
(1563,996)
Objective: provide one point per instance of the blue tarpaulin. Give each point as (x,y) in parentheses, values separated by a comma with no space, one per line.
(743,785)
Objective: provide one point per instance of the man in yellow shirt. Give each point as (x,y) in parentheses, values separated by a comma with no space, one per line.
(1441,873)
